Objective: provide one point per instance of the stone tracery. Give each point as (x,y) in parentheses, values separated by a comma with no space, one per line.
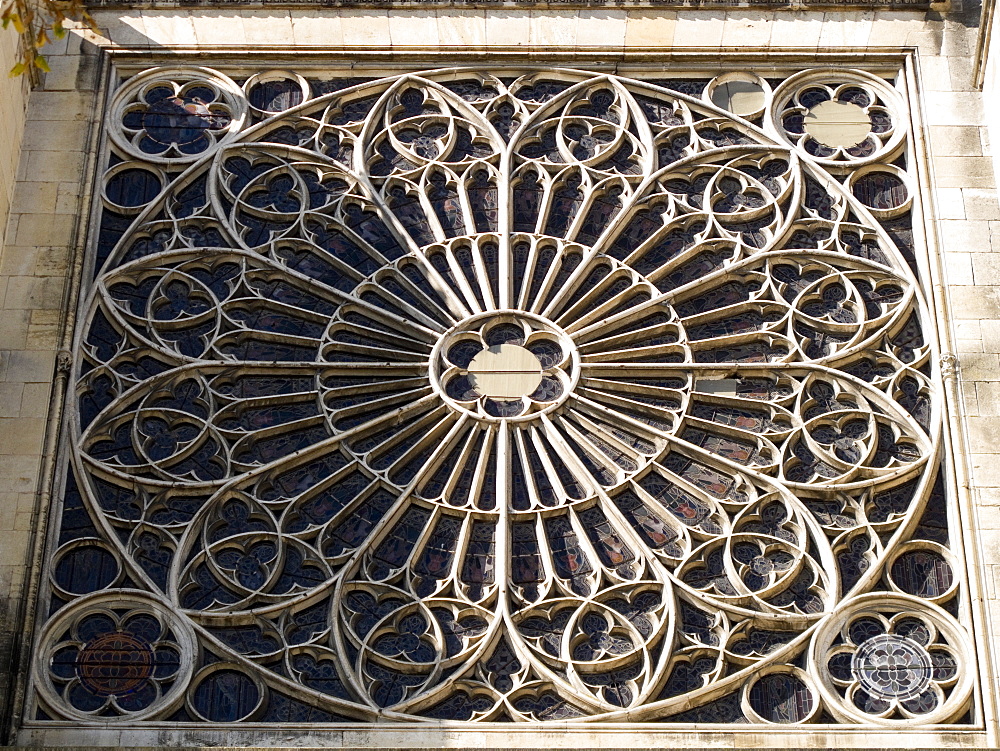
(303,422)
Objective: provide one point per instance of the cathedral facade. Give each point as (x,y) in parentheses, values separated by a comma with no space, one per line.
(431,374)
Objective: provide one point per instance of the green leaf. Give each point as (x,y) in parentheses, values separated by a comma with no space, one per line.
(42,63)
(18,70)
(58,30)
(18,25)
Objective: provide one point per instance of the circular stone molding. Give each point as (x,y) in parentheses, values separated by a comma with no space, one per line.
(892,660)
(841,119)
(176,115)
(116,657)
(505,365)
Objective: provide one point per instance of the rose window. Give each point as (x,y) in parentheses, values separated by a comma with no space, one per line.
(528,397)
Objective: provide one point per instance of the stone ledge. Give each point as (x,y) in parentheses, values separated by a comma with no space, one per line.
(845,5)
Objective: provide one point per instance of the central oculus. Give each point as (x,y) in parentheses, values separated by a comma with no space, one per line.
(505,371)
(505,365)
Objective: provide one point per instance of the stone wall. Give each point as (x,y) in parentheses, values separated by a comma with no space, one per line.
(23,397)
(49,206)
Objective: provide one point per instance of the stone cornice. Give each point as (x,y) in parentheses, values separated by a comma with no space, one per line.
(789,5)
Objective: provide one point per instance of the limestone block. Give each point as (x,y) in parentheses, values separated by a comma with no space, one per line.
(960,67)
(935,73)
(991,335)
(10,399)
(846,29)
(970,401)
(21,435)
(958,268)
(928,40)
(68,198)
(980,366)
(747,29)
(890,28)
(218,26)
(169,28)
(413,28)
(953,108)
(59,135)
(269,28)
(47,106)
(645,28)
(17,544)
(987,398)
(981,204)
(32,197)
(988,522)
(699,28)
(17,261)
(461,27)
(965,235)
(988,519)
(44,327)
(990,580)
(985,471)
(52,261)
(23,522)
(975,302)
(553,29)
(509,28)
(14,334)
(316,28)
(30,293)
(8,509)
(35,399)
(956,42)
(40,229)
(65,73)
(125,29)
(19,473)
(12,222)
(601,27)
(964,172)
(27,367)
(955,140)
(968,332)
(987,496)
(950,204)
(986,268)
(364,28)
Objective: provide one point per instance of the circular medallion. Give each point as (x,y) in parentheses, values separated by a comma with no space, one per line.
(505,365)
(116,657)
(892,667)
(115,663)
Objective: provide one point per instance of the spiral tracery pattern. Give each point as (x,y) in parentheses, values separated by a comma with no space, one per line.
(453,396)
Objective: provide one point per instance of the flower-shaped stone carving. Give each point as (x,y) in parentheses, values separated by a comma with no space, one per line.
(112,663)
(177,118)
(503,366)
(893,666)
